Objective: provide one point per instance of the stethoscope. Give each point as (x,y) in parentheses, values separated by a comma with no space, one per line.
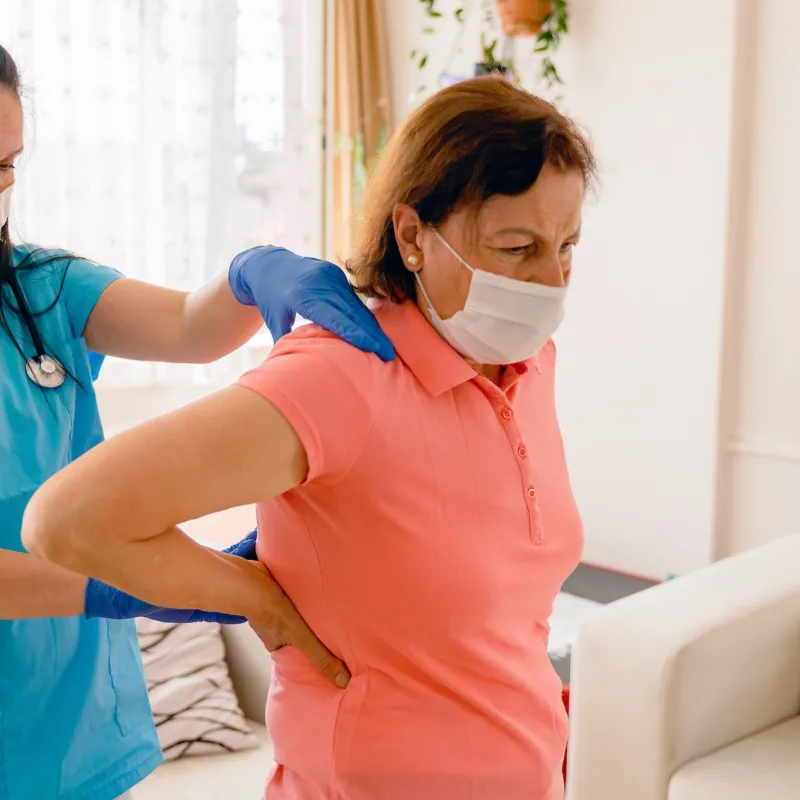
(42,369)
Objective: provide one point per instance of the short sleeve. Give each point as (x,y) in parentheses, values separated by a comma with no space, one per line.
(323,387)
(84,282)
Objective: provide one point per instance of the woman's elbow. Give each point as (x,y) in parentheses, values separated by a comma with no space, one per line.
(47,532)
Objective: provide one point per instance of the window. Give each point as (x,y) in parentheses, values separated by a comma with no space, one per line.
(164,136)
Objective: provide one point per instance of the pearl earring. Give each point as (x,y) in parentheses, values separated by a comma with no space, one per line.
(413,260)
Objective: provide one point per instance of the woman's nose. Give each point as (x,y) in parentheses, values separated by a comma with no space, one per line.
(549,271)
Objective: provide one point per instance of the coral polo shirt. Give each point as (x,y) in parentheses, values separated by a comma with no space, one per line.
(425,548)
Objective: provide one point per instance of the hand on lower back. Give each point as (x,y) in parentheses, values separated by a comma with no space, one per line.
(279,624)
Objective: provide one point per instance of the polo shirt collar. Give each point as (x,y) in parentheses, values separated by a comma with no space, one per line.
(434,363)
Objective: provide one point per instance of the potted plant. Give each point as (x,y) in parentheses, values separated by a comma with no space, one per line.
(546,19)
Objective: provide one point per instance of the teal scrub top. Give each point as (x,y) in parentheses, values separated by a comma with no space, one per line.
(75,722)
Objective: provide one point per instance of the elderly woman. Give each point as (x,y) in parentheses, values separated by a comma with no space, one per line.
(418,513)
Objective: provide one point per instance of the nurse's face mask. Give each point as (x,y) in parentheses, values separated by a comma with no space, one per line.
(504,321)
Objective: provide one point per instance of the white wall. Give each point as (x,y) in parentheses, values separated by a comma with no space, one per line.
(760,479)
(640,355)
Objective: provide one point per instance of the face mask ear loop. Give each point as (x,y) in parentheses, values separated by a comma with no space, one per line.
(431,309)
(451,249)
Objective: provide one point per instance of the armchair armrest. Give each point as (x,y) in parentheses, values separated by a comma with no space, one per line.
(669,675)
(250,666)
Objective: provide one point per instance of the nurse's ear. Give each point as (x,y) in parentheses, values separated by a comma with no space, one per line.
(408,232)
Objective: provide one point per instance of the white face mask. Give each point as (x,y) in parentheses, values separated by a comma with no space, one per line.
(5,205)
(504,321)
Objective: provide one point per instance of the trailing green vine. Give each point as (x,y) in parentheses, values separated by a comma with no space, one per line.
(546,44)
(554,26)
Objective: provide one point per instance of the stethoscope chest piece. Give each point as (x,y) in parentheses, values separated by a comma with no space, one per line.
(45,371)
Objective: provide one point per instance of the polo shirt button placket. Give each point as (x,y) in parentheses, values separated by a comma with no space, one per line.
(521,452)
(536,517)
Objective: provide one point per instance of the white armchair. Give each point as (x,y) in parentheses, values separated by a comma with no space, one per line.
(691,690)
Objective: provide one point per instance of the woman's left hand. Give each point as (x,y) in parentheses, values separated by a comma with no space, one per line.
(283,285)
(278,624)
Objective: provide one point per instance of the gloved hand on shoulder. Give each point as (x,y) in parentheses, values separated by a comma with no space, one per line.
(283,285)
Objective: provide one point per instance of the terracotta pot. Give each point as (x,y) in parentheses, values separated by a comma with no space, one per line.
(523,17)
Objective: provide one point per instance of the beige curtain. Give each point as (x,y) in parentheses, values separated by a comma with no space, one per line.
(360,112)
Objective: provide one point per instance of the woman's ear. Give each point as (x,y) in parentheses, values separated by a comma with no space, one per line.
(407,232)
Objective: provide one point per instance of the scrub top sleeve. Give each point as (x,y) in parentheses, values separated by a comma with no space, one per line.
(322,386)
(84,282)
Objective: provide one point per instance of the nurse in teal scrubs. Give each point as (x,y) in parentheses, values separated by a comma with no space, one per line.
(75,721)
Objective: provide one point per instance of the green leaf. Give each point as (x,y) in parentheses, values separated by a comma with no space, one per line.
(423,61)
(429,30)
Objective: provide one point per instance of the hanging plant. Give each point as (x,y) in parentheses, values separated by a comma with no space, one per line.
(548,40)
(548,20)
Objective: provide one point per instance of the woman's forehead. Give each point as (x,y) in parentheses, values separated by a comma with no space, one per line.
(555,200)
(10,124)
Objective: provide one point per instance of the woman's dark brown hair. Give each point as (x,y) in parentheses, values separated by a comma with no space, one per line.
(467,143)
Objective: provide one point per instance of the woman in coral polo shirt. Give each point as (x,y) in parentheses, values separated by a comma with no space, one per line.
(418,513)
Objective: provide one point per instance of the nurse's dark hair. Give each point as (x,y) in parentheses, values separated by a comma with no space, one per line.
(12,299)
(467,143)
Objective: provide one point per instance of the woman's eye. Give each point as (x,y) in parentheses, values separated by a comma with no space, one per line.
(516,251)
(566,247)
(6,167)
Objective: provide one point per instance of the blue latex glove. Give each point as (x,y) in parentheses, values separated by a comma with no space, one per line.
(107,602)
(284,285)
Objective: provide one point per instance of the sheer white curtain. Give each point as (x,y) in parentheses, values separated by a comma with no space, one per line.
(164,136)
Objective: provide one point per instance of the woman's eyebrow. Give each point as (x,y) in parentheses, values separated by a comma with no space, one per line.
(532,233)
(13,155)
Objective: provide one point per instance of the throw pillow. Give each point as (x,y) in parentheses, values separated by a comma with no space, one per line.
(191,695)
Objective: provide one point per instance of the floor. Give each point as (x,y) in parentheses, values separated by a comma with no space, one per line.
(583,593)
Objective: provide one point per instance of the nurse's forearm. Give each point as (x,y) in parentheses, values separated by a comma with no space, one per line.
(30,588)
(215,323)
(144,322)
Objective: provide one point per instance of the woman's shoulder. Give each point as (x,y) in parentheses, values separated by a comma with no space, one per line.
(32,255)
(312,362)
(40,272)
(314,343)
(61,283)
(41,268)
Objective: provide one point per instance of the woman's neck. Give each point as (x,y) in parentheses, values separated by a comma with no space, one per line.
(492,372)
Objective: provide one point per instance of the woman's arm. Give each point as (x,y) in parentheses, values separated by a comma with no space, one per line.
(113,513)
(33,588)
(144,322)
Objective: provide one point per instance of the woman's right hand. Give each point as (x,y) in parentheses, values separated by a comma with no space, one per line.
(278,624)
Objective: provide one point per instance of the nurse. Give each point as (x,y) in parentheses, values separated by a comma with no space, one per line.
(75,721)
